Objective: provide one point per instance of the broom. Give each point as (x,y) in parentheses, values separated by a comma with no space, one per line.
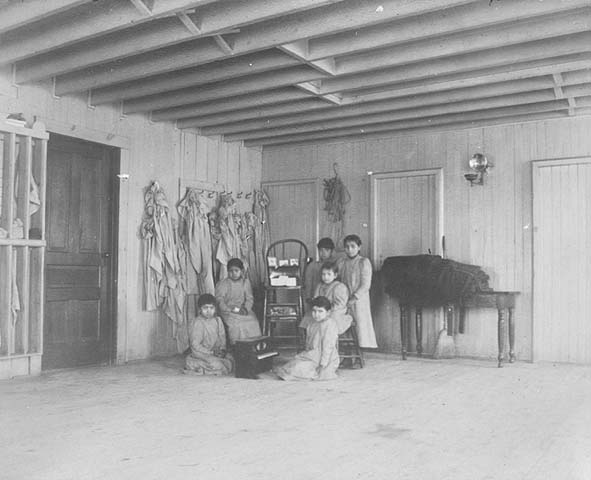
(445,346)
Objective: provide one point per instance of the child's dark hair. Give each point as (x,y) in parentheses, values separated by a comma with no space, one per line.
(352,238)
(321,302)
(235,262)
(330,266)
(326,243)
(206,299)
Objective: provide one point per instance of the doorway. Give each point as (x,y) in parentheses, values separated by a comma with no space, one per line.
(562,260)
(294,211)
(80,260)
(406,219)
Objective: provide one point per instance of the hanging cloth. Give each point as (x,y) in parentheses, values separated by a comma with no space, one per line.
(163,278)
(336,197)
(196,241)
(262,235)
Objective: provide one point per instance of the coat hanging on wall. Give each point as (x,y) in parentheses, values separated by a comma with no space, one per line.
(163,278)
(336,197)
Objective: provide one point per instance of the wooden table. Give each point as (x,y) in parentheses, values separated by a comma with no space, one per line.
(503,301)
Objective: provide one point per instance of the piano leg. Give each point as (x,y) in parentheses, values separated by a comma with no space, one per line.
(419,330)
(501,336)
(511,336)
(403,329)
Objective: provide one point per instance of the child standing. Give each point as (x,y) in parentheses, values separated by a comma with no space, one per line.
(234,296)
(355,271)
(312,278)
(337,294)
(207,339)
(320,360)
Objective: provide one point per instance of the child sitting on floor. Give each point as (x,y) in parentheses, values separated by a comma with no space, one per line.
(207,339)
(320,360)
(234,296)
(338,295)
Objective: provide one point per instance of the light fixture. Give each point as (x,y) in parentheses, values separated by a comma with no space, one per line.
(479,164)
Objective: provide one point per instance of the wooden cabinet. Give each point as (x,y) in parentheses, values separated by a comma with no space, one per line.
(23,161)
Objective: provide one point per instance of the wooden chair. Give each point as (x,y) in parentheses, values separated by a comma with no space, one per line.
(283,307)
(349,348)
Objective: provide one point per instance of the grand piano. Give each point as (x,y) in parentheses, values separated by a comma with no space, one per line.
(430,281)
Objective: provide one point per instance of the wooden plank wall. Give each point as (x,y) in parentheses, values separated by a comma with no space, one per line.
(488,226)
(157,151)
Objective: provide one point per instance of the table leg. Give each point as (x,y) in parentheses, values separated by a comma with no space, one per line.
(419,329)
(403,329)
(501,336)
(511,336)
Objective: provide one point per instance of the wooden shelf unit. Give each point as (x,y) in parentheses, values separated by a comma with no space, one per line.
(23,160)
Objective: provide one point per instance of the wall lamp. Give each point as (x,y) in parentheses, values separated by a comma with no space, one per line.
(478,164)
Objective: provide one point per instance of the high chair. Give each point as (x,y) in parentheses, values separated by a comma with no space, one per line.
(283,307)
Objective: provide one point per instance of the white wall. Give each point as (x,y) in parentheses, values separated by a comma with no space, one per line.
(488,226)
(156,152)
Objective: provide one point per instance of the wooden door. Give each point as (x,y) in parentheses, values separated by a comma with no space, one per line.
(407,216)
(562,260)
(406,213)
(79,266)
(294,211)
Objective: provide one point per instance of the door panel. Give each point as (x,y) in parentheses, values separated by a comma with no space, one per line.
(293,211)
(562,260)
(79,265)
(406,220)
(406,214)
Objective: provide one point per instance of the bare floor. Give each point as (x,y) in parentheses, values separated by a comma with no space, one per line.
(419,419)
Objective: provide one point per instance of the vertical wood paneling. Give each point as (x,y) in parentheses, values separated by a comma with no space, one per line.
(561,260)
(157,152)
(486,225)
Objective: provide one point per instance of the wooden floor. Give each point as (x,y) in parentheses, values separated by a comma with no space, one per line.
(420,419)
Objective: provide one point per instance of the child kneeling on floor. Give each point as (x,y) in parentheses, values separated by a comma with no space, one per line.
(207,339)
(320,360)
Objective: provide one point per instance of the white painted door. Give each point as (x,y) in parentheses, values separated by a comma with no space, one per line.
(294,211)
(562,260)
(406,213)
(407,216)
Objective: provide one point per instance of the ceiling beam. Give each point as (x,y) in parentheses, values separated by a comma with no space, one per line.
(432,128)
(89,21)
(475,40)
(467,62)
(477,116)
(307,24)
(229,88)
(276,96)
(234,67)
(142,7)
(514,72)
(542,97)
(17,14)
(209,20)
(542,86)
(262,112)
(435,24)
(515,80)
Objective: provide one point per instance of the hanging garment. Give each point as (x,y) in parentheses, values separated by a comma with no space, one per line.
(356,274)
(320,360)
(233,295)
(196,240)
(163,278)
(338,295)
(229,245)
(262,236)
(207,340)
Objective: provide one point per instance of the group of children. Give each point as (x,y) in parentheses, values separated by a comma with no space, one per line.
(333,307)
